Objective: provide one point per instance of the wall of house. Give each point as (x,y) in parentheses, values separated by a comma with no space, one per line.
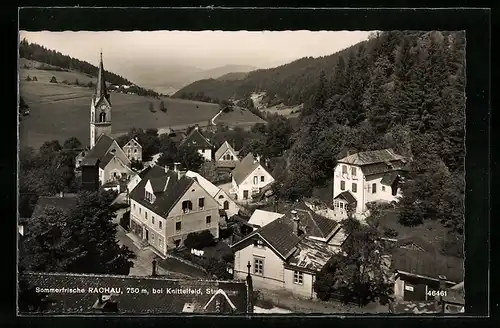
(273,273)
(151,221)
(117,166)
(349,180)
(206,154)
(221,197)
(101,176)
(227,152)
(134,181)
(79,158)
(248,183)
(195,220)
(399,288)
(119,153)
(304,290)
(133,151)
(383,192)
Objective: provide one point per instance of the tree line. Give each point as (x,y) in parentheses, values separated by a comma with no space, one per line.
(41,54)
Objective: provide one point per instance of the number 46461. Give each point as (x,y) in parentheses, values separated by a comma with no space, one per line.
(436,293)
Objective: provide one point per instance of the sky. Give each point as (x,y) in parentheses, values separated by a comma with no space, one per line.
(201,49)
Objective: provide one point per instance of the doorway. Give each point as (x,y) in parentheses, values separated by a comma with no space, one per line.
(147,234)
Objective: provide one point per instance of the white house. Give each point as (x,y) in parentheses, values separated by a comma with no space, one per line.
(249,177)
(133,149)
(372,176)
(166,206)
(225,202)
(195,139)
(288,252)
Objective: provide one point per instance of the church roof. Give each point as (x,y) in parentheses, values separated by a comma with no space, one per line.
(101,147)
(105,160)
(101,89)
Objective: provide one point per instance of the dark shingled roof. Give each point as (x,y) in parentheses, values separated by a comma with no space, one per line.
(166,200)
(389,178)
(176,293)
(158,183)
(371,157)
(101,147)
(347,196)
(90,161)
(105,160)
(196,139)
(245,167)
(280,235)
(65,203)
(423,259)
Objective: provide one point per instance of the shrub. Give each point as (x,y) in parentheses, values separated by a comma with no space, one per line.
(28,78)
(53,79)
(390,233)
(34,78)
(199,240)
(125,220)
(225,233)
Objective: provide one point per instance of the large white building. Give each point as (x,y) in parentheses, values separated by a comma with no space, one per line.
(371,176)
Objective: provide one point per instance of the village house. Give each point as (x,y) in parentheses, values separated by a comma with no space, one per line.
(119,294)
(79,158)
(225,202)
(289,251)
(420,272)
(196,140)
(365,177)
(226,158)
(133,150)
(166,206)
(249,177)
(114,164)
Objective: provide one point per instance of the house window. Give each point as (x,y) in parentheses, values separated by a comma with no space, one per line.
(226,205)
(187,206)
(231,157)
(139,210)
(134,206)
(258,243)
(344,169)
(178,226)
(255,180)
(354,187)
(383,188)
(298,278)
(153,237)
(341,205)
(261,178)
(146,214)
(258,266)
(128,151)
(353,171)
(336,203)
(374,188)
(201,203)
(152,219)
(160,242)
(159,224)
(342,185)
(221,197)
(208,220)
(203,151)
(245,194)
(135,150)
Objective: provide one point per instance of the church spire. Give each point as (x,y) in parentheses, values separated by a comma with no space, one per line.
(101,90)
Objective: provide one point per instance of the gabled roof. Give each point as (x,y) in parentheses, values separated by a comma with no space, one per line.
(176,293)
(244,168)
(347,196)
(425,260)
(196,139)
(159,183)
(389,178)
(133,141)
(261,218)
(165,200)
(105,160)
(222,149)
(372,157)
(209,187)
(65,203)
(101,147)
(280,235)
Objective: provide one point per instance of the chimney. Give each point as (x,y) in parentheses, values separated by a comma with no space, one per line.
(166,169)
(61,194)
(196,127)
(176,166)
(296,221)
(153,271)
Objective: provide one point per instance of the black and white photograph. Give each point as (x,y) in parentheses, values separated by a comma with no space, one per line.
(236,172)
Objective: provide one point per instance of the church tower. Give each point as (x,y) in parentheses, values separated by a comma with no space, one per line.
(100,109)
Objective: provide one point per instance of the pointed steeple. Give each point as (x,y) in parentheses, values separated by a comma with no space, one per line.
(101,90)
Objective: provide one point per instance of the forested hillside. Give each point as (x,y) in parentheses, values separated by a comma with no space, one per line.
(41,54)
(404,90)
(293,83)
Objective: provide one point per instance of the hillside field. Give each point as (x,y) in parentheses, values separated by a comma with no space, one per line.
(60,111)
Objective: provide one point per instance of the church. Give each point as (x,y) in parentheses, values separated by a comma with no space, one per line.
(114,163)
